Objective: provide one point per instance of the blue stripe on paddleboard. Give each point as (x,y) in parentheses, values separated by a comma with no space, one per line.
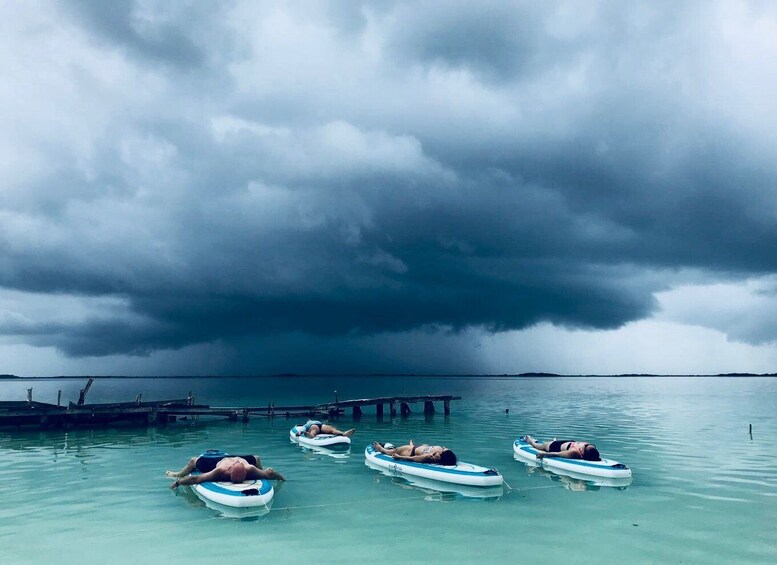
(435,468)
(264,488)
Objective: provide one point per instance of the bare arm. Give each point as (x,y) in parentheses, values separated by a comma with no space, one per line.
(196,479)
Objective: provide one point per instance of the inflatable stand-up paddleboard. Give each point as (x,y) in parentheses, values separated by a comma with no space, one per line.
(430,486)
(251,493)
(576,468)
(459,474)
(327,441)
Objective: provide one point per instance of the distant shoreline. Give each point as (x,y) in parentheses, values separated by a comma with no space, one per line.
(378,375)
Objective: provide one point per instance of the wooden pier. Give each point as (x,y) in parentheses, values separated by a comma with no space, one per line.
(40,415)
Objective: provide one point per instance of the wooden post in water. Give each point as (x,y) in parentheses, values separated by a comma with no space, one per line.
(59,397)
(428,407)
(446,407)
(393,408)
(404,409)
(357,412)
(29,397)
(189,399)
(379,410)
(245,415)
(82,394)
(137,398)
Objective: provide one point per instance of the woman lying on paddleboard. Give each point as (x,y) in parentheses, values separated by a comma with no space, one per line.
(313,427)
(566,449)
(422,453)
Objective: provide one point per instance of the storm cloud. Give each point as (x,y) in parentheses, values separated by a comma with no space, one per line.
(175,174)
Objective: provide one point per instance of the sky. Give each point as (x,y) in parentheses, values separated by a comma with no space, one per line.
(201,188)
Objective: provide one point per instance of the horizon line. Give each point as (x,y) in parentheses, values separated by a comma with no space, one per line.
(382,374)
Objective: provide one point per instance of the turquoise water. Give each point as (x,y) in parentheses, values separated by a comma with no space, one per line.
(703,490)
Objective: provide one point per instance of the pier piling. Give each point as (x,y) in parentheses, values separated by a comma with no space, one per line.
(82,394)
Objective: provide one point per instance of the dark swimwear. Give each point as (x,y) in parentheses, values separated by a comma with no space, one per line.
(206,464)
(555,446)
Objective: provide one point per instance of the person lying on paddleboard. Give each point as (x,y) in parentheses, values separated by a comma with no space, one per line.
(230,468)
(313,427)
(567,449)
(422,453)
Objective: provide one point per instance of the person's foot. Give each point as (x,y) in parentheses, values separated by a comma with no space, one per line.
(350,432)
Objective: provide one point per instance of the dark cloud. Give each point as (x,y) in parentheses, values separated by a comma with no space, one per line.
(148,34)
(388,168)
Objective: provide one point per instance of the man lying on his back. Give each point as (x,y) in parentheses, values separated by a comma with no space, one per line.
(230,468)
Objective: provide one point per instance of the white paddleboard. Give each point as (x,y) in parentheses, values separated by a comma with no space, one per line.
(462,473)
(579,468)
(249,493)
(328,441)
(439,487)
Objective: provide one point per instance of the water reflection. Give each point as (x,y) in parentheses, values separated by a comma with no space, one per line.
(193,500)
(573,481)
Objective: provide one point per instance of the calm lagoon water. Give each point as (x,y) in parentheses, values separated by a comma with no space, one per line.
(704,490)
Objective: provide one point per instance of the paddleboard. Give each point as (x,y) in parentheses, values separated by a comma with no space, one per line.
(606,468)
(462,473)
(328,441)
(252,492)
(431,486)
(249,493)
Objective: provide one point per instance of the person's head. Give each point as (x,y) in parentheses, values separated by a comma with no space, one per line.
(590,453)
(447,457)
(237,473)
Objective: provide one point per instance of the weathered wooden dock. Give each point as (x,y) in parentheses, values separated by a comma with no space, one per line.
(40,415)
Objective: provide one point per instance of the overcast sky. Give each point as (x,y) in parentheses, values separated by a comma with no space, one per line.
(488,187)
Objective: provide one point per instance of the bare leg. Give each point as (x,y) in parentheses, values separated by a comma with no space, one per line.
(401,450)
(327,429)
(378,447)
(537,445)
(188,468)
(313,431)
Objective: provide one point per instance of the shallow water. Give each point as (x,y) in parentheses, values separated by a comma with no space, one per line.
(703,490)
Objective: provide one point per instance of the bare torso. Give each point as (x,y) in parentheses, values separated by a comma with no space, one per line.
(421,449)
(224,467)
